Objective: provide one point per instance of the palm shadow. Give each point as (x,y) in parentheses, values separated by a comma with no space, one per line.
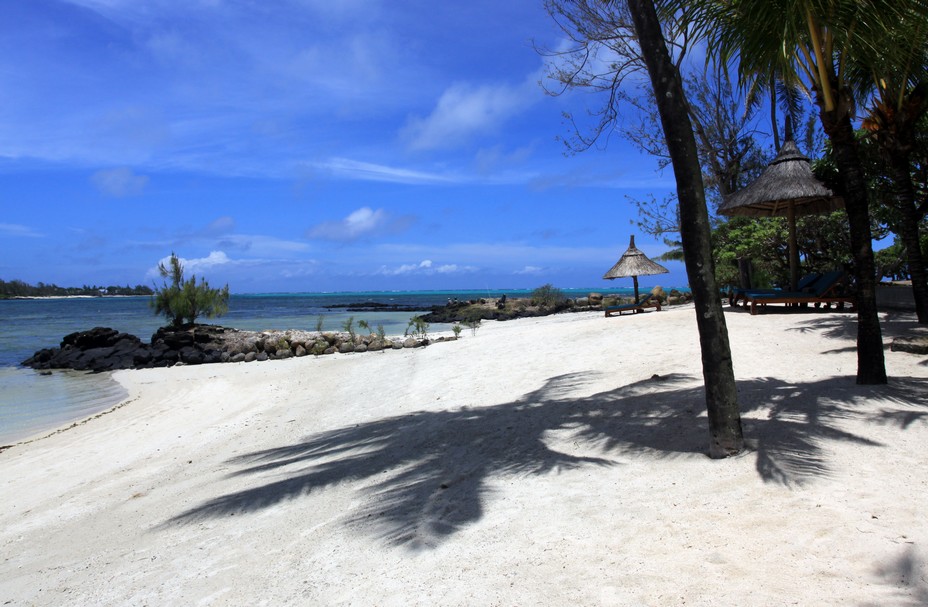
(844,326)
(834,326)
(904,576)
(424,475)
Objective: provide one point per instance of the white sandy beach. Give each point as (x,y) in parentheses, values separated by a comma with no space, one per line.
(553,461)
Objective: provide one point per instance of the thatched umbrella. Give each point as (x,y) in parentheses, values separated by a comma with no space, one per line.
(634,263)
(786,188)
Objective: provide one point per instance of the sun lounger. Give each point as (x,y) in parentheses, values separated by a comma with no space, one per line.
(633,307)
(805,285)
(825,291)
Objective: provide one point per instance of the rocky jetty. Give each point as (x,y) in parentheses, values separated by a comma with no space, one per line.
(505,308)
(105,349)
(374,306)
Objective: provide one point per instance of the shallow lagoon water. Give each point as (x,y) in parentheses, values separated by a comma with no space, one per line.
(32,403)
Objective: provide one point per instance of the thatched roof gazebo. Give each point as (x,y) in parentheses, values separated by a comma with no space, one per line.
(634,263)
(786,188)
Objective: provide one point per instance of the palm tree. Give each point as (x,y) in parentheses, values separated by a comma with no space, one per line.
(809,43)
(721,396)
(615,39)
(899,90)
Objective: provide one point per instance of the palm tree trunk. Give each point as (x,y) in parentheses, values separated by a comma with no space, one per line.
(904,192)
(773,114)
(871,366)
(721,395)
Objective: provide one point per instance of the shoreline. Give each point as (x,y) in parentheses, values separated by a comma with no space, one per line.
(43,297)
(545,460)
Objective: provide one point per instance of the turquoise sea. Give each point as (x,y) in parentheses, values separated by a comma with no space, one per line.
(31,403)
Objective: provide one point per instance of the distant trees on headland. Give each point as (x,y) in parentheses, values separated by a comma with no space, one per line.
(18,288)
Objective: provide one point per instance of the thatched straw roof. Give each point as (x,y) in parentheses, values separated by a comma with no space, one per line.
(788,180)
(634,263)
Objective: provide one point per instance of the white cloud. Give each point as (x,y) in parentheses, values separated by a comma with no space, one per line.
(120,182)
(367,171)
(359,224)
(463,112)
(12,229)
(425,267)
(301,269)
(531,271)
(215,258)
(196,265)
(220,225)
(259,244)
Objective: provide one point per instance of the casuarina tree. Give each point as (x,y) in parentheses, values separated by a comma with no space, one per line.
(179,300)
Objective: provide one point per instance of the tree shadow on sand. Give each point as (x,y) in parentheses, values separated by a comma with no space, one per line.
(844,326)
(904,575)
(425,474)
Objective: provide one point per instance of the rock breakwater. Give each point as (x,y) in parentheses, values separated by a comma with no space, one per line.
(105,349)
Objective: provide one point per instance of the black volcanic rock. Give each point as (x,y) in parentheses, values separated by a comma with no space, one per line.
(104,349)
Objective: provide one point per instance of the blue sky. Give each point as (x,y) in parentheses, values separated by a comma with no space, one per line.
(303,145)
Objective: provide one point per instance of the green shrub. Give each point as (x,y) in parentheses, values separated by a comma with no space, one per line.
(319,322)
(417,327)
(548,296)
(181,300)
(456,329)
(348,327)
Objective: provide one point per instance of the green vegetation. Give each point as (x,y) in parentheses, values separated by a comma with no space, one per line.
(180,300)
(822,240)
(18,288)
(417,327)
(456,328)
(319,322)
(473,324)
(548,296)
(348,327)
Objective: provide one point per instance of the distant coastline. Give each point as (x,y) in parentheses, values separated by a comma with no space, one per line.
(13,289)
(474,293)
(22,297)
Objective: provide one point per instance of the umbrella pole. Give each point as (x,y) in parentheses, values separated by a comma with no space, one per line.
(635,280)
(793,248)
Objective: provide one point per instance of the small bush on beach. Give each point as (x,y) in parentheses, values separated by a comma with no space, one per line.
(348,326)
(319,322)
(418,327)
(180,300)
(473,324)
(457,330)
(547,296)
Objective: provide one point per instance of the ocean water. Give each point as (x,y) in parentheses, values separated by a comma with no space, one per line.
(32,403)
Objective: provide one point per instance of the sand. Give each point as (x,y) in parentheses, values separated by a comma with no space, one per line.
(553,461)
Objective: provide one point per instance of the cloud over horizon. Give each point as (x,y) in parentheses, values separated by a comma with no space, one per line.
(425,267)
(360,224)
(195,265)
(463,112)
(121,182)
